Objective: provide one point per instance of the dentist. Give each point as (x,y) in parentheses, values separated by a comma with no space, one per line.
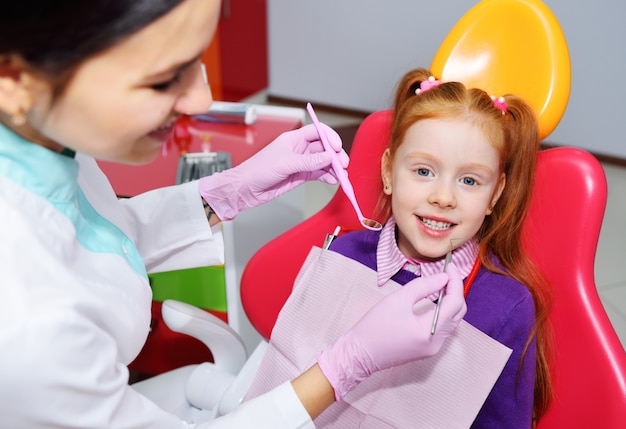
(106,79)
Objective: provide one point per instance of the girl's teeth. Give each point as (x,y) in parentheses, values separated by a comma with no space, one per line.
(432,224)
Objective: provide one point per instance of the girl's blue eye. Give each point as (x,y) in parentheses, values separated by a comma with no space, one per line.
(469,181)
(423,172)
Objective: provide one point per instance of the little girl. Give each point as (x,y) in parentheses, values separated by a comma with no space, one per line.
(457,176)
(458,173)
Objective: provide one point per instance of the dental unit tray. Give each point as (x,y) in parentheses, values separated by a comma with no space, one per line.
(195,165)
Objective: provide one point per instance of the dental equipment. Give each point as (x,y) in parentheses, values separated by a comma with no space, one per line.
(441,293)
(342,176)
(330,237)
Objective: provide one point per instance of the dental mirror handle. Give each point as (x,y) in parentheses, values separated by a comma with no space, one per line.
(344,181)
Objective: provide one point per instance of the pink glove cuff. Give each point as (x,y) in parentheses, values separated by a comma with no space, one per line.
(222,193)
(342,368)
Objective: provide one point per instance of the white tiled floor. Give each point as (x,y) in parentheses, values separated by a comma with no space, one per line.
(610,265)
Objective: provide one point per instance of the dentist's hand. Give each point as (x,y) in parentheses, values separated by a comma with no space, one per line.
(293,158)
(395,331)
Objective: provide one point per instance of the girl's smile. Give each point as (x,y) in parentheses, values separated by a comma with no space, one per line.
(436,225)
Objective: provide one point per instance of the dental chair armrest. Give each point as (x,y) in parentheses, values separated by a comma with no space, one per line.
(238,389)
(227,347)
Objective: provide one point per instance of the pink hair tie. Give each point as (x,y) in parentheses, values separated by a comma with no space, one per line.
(499,103)
(426,85)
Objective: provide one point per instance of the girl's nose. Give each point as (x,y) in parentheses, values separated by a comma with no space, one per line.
(443,195)
(197,97)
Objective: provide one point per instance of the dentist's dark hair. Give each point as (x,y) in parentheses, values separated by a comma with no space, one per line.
(55,37)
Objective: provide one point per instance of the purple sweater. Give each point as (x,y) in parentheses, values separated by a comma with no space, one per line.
(499,306)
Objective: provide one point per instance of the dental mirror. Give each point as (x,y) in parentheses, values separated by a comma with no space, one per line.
(344,181)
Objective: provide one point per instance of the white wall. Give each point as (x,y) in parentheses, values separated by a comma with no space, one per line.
(351,53)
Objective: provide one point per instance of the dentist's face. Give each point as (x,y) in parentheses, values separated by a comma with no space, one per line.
(122,103)
(444,179)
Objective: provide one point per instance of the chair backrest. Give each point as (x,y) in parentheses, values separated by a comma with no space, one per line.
(561,234)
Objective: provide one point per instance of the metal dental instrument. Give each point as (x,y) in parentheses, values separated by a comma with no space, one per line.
(344,181)
(441,293)
(330,237)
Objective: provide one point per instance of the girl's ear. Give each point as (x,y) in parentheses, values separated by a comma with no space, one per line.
(497,193)
(385,171)
(15,96)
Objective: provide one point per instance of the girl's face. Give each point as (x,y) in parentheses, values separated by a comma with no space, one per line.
(443,180)
(121,104)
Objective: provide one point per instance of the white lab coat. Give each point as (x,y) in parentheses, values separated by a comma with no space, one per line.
(75,302)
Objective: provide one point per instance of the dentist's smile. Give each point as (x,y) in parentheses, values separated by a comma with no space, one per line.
(164,132)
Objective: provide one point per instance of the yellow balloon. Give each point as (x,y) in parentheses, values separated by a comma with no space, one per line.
(510,47)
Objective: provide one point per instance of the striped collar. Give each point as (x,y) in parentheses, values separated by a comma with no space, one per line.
(390,259)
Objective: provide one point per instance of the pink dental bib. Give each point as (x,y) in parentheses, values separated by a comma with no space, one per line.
(331,293)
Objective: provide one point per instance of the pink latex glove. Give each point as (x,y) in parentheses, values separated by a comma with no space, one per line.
(293,158)
(395,331)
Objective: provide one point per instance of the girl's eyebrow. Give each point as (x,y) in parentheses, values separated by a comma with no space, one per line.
(482,167)
(415,156)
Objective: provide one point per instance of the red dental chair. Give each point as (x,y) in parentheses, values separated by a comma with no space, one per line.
(502,46)
(561,233)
